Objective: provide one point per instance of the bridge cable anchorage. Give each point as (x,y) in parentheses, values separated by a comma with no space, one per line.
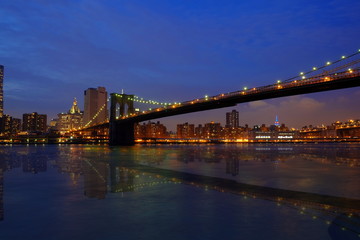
(96,114)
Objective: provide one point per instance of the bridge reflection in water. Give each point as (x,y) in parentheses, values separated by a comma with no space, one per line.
(340,213)
(124,170)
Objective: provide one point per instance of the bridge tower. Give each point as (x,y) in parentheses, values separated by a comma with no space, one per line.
(121,133)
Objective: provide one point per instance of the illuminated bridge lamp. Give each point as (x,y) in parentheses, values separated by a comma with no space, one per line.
(328,63)
(314,68)
(245,88)
(278,81)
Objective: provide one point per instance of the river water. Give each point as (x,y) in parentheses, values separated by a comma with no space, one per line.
(205,191)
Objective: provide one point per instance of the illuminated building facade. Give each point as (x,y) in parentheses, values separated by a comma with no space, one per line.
(95,106)
(212,130)
(1,90)
(150,130)
(185,130)
(34,122)
(70,120)
(232,119)
(9,126)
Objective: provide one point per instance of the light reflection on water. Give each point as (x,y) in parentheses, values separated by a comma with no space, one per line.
(255,191)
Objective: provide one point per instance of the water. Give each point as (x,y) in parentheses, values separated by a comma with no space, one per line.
(255,191)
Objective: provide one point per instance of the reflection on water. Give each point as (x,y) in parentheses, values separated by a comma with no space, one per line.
(294,177)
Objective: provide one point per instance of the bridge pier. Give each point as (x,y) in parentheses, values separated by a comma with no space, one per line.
(121,134)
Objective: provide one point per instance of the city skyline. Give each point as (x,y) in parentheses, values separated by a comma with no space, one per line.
(176,52)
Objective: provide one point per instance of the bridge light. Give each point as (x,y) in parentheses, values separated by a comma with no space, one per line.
(314,68)
(302,73)
(278,81)
(245,88)
(343,57)
(328,63)
(303,77)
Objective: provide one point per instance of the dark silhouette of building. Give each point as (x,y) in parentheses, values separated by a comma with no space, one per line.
(34,122)
(232,119)
(1,90)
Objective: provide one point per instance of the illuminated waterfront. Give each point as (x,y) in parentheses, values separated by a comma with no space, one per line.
(206,191)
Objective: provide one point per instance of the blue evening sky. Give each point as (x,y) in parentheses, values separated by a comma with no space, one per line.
(176,50)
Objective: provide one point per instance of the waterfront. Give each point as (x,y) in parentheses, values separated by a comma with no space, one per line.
(205,191)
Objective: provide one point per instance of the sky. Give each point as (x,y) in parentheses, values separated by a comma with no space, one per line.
(176,50)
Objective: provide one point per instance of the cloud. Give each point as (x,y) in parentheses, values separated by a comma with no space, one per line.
(300,103)
(258,104)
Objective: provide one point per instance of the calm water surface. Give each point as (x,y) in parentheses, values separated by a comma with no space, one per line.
(255,191)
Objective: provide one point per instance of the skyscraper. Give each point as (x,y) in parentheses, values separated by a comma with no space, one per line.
(277,123)
(232,119)
(95,106)
(70,120)
(1,90)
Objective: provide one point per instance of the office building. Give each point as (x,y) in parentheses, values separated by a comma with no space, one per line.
(34,122)
(232,119)
(1,90)
(95,106)
(71,120)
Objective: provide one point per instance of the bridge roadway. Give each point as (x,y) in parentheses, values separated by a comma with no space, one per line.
(296,87)
(121,130)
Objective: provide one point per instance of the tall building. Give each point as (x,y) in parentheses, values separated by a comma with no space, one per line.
(34,122)
(277,123)
(95,106)
(232,119)
(1,90)
(70,120)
